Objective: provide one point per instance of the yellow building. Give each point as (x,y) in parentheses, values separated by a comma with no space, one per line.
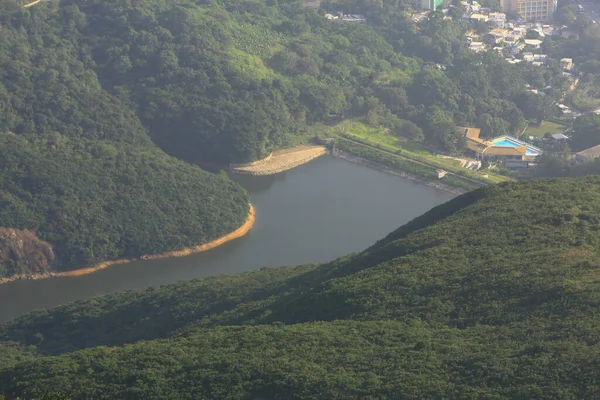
(496,36)
(513,152)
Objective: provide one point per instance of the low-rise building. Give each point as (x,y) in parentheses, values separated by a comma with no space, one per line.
(419,16)
(472,36)
(496,36)
(513,152)
(479,17)
(539,31)
(517,48)
(477,46)
(588,154)
(498,18)
(566,64)
(559,136)
(519,30)
(533,44)
(512,38)
(565,110)
(509,41)
(354,18)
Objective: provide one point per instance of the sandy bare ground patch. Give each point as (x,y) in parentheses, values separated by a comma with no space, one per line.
(283,160)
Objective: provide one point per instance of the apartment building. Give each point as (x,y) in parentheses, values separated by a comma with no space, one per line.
(430,5)
(531,10)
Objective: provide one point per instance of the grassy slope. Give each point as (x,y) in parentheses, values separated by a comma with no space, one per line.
(584,98)
(491,295)
(546,126)
(410,149)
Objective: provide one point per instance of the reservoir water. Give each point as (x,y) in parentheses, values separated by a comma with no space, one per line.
(311,214)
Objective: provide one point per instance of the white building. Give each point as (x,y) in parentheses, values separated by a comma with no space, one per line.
(533,44)
(499,19)
(479,17)
(477,47)
(566,64)
(531,10)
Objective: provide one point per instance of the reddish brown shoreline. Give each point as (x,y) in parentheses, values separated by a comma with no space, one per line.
(239,232)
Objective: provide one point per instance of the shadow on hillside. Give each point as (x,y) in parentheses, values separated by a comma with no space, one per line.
(272,295)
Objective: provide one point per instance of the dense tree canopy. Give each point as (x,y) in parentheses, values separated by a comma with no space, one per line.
(586,132)
(95,201)
(227,81)
(491,295)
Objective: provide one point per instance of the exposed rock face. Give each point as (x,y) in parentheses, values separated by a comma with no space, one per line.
(23,253)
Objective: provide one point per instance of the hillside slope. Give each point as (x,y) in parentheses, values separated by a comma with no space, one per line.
(94,201)
(491,295)
(228,81)
(214,83)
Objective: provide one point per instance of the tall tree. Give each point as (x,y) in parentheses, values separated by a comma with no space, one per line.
(441,132)
(586,132)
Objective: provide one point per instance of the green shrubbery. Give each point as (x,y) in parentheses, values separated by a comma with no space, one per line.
(95,200)
(491,295)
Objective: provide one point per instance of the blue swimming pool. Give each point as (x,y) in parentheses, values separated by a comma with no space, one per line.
(506,143)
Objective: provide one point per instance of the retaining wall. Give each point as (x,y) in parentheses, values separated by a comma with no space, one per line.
(380,167)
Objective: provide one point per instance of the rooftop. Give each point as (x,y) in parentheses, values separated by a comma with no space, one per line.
(497,15)
(591,152)
(472,133)
(498,31)
(533,42)
(500,146)
(479,16)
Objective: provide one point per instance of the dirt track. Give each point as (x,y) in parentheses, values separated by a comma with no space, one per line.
(32,3)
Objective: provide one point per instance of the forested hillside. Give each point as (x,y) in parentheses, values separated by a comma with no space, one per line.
(491,295)
(213,83)
(228,81)
(98,201)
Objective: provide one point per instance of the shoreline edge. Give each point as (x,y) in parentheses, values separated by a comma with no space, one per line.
(236,234)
